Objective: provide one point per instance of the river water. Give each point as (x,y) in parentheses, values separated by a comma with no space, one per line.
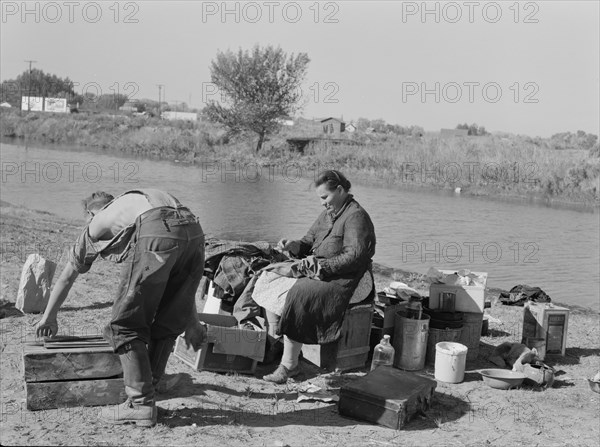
(555,249)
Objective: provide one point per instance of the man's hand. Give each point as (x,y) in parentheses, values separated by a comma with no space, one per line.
(195,335)
(46,327)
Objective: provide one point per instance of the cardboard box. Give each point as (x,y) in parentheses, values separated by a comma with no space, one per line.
(468,298)
(386,396)
(228,348)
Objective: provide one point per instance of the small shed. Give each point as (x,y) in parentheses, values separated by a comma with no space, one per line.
(333,126)
(350,128)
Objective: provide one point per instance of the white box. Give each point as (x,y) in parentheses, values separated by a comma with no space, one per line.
(468,298)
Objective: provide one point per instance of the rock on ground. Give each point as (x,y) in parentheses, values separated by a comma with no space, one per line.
(34,288)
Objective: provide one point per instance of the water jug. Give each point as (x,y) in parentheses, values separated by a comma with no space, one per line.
(383,354)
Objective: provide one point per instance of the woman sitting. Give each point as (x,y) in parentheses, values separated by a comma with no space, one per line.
(341,243)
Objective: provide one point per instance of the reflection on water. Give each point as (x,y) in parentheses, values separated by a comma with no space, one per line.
(555,249)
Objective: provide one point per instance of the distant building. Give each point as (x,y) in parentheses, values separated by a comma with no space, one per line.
(5,105)
(175,115)
(285,121)
(350,128)
(333,126)
(129,107)
(451,133)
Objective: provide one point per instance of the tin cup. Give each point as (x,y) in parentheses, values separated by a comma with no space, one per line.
(448,301)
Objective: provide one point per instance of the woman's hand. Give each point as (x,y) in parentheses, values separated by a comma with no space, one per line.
(46,327)
(292,246)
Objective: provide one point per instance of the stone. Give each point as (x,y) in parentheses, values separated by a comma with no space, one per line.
(35,285)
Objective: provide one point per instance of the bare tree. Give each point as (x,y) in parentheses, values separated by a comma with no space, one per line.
(256,88)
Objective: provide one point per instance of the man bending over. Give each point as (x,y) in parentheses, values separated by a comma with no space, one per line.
(161,247)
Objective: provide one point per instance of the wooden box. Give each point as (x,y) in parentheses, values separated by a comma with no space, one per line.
(71,377)
(352,349)
(386,396)
(228,349)
(547,321)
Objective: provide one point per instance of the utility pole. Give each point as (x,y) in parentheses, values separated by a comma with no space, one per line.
(29,87)
(160,86)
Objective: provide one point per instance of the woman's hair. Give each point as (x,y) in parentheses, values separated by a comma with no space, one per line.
(96,201)
(332,179)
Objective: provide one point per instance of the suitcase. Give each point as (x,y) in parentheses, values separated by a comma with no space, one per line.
(386,396)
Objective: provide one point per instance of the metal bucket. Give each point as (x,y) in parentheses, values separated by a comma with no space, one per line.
(471,333)
(410,341)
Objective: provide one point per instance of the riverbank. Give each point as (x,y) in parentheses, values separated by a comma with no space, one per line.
(514,167)
(230,409)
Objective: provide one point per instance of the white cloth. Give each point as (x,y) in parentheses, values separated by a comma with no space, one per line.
(270,291)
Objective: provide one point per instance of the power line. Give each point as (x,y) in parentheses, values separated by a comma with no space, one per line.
(160,86)
(29,86)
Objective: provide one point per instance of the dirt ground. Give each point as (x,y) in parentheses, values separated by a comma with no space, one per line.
(231,409)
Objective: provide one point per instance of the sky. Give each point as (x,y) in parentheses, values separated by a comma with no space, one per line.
(528,68)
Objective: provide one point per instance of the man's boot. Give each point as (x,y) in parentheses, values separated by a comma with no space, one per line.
(159,351)
(139,408)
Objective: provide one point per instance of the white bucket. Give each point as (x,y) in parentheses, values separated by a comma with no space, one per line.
(450,360)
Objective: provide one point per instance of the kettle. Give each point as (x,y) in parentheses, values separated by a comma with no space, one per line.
(539,373)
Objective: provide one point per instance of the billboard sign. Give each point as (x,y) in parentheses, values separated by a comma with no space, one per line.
(58,105)
(34,103)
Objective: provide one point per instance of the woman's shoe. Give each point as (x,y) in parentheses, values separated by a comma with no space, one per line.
(281,374)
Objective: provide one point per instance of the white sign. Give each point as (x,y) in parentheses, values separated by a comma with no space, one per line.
(174,115)
(32,103)
(58,105)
